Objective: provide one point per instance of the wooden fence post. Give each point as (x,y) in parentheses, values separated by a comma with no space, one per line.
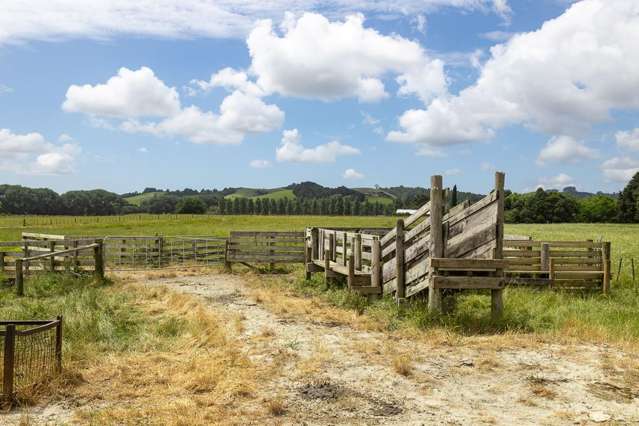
(400,267)
(58,344)
(376,261)
(344,250)
(350,280)
(76,266)
(9,360)
(308,260)
(545,257)
(357,251)
(227,264)
(25,250)
(98,259)
(332,247)
(497,298)
(19,278)
(605,252)
(271,266)
(436,237)
(314,244)
(160,250)
(1,261)
(52,258)
(327,265)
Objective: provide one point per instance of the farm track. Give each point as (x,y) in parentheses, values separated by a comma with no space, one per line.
(330,371)
(336,374)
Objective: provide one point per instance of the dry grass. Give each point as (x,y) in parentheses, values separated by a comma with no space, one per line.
(403,365)
(275,406)
(201,377)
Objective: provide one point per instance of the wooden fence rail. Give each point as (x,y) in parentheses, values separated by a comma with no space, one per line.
(22,264)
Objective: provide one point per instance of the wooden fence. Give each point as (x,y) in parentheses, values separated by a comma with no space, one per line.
(560,264)
(265,247)
(417,254)
(135,252)
(31,352)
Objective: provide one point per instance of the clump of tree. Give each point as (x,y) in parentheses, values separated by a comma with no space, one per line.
(540,207)
(629,202)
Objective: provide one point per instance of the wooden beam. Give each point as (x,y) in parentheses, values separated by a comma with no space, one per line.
(606,267)
(436,237)
(400,265)
(376,263)
(497,297)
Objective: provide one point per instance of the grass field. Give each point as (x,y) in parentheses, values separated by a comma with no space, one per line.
(136,200)
(275,194)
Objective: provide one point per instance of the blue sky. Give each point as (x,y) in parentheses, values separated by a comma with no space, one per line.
(193,94)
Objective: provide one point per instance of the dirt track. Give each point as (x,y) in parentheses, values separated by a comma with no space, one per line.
(332,373)
(341,375)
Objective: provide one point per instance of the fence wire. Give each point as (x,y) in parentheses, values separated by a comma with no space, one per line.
(138,253)
(35,358)
(32,354)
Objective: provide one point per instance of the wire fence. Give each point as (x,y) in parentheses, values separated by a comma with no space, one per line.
(134,253)
(31,353)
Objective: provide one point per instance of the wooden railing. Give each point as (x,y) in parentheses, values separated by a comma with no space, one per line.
(22,265)
(560,264)
(398,261)
(265,247)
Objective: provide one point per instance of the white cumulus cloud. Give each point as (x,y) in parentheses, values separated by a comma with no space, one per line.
(128,94)
(133,96)
(628,139)
(352,174)
(322,59)
(292,150)
(559,181)
(620,169)
(31,153)
(565,149)
(559,79)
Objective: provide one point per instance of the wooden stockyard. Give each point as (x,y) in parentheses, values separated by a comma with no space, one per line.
(431,251)
(436,251)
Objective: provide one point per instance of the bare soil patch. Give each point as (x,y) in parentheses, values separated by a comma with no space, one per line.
(321,368)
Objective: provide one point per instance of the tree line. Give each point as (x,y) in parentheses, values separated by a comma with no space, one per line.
(311,199)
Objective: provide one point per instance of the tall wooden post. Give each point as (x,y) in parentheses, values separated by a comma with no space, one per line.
(357,251)
(400,266)
(436,237)
(308,261)
(344,248)
(605,254)
(350,280)
(2,254)
(332,249)
(227,264)
(19,278)
(327,266)
(58,344)
(376,264)
(99,260)
(545,257)
(161,251)
(52,258)
(314,243)
(76,262)
(9,358)
(497,301)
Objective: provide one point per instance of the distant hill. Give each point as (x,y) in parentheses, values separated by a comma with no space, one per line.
(136,200)
(571,190)
(405,196)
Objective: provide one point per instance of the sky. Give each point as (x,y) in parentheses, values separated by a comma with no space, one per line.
(172,94)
